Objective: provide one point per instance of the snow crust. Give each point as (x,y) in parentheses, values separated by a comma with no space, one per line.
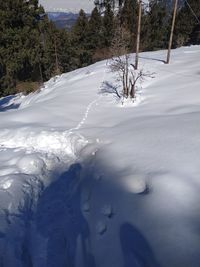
(87,181)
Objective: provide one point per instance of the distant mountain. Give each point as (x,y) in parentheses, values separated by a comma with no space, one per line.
(63,20)
(67,6)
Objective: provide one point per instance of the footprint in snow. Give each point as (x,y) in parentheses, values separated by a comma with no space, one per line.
(101,228)
(86,207)
(107,211)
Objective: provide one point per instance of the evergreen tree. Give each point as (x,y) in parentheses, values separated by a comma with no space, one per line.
(101,4)
(108,25)
(30,46)
(94,34)
(128,20)
(195,34)
(157,25)
(80,28)
(79,40)
(129,15)
(19,42)
(187,27)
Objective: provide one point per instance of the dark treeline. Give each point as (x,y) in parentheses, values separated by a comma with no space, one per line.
(32,49)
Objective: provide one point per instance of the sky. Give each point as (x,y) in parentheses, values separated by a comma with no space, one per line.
(67,5)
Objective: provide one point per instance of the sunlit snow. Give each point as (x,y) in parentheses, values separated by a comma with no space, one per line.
(86,181)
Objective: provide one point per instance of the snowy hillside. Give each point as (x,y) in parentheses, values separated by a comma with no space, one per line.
(87,182)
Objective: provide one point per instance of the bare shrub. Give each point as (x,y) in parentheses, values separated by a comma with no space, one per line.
(120,64)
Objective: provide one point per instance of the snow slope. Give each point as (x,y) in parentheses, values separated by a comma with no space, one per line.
(85,181)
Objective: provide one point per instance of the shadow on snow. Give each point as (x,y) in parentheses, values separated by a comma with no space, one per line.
(6,105)
(136,250)
(60,220)
(60,232)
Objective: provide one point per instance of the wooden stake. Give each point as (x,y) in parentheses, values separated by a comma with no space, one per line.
(40,68)
(138,34)
(56,56)
(172,31)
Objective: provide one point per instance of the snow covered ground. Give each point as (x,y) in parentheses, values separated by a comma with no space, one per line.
(87,182)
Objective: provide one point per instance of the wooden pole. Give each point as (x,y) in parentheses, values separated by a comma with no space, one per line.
(56,56)
(172,31)
(40,68)
(138,33)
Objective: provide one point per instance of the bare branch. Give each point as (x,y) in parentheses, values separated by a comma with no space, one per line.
(119,64)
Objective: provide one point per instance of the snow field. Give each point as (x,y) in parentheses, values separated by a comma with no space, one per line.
(81,178)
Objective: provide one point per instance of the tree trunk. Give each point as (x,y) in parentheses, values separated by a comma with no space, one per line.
(132,92)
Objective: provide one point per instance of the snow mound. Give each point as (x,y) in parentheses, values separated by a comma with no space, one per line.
(6,183)
(135,184)
(101,228)
(31,164)
(60,143)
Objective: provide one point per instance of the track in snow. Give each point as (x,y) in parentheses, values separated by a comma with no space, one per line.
(68,142)
(89,108)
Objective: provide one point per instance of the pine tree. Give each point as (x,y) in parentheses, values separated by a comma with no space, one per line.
(94,33)
(108,25)
(19,42)
(195,34)
(80,28)
(187,27)
(101,4)
(129,15)
(31,48)
(79,39)
(157,25)
(128,20)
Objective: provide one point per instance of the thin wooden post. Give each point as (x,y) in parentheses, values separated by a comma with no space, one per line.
(41,75)
(138,34)
(56,57)
(172,31)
